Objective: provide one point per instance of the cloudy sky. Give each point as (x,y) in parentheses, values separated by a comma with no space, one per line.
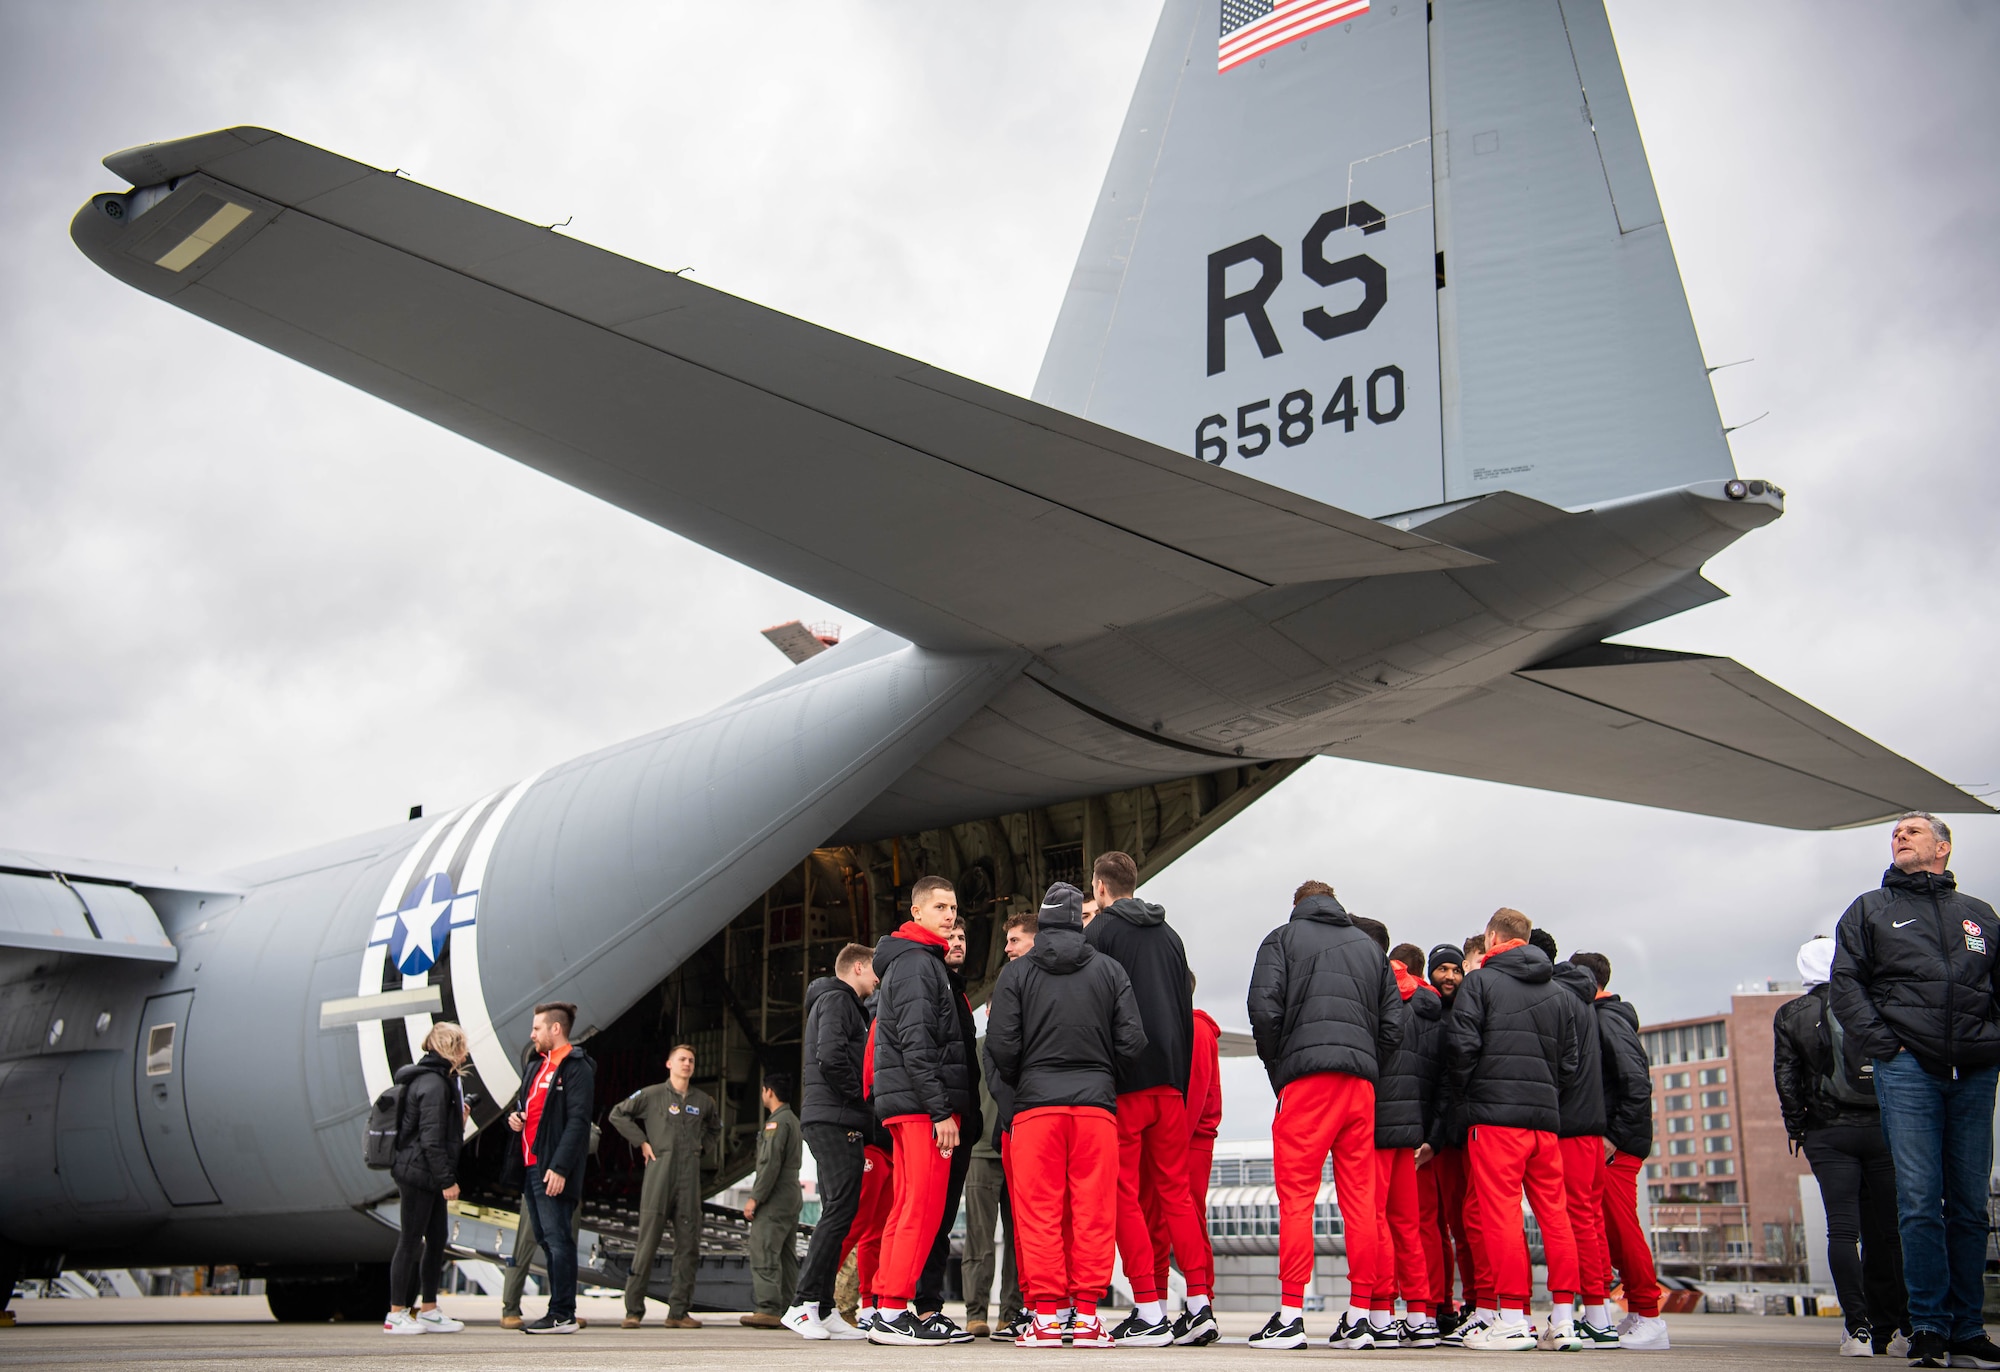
(247,610)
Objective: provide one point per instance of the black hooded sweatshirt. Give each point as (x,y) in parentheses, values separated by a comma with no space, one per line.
(1322,997)
(836,1037)
(1628,1078)
(1914,969)
(1583,1097)
(1063,1016)
(430,1126)
(923,1061)
(1135,934)
(1406,1097)
(1512,1043)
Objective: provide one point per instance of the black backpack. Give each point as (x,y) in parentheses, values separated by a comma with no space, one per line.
(1843,1082)
(385,1122)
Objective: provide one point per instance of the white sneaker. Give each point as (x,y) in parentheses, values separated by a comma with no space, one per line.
(1648,1334)
(1503,1338)
(1629,1320)
(1561,1338)
(1857,1346)
(804,1321)
(837,1328)
(435,1321)
(1899,1346)
(403,1322)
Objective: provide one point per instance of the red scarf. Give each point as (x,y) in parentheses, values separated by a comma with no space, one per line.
(916,933)
(1406,983)
(1494,950)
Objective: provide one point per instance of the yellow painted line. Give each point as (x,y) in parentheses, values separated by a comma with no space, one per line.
(202,239)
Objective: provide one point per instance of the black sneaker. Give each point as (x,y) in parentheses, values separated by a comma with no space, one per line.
(904,1329)
(1979,1352)
(953,1331)
(1928,1348)
(1280,1333)
(1449,1318)
(549,1324)
(1197,1331)
(1134,1332)
(1013,1329)
(1354,1334)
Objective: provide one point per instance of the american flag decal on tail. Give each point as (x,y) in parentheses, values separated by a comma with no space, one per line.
(1251,28)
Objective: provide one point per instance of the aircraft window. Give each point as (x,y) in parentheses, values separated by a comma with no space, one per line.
(160,1050)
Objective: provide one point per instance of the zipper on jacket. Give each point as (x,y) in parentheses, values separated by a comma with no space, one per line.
(1944,947)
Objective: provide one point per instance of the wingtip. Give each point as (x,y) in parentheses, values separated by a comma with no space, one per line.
(151,164)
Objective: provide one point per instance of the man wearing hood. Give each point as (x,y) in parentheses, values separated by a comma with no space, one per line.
(1832,1115)
(836,1121)
(1152,1106)
(1326,1014)
(1061,1021)
(1580,1139)
(1913,986)
(1204,1114)
(918,1073)
(1514,1051)
(1442,1169)
(1405,1100)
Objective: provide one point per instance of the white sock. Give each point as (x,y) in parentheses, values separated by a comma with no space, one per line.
(1597,1314)
(1068,1313)
(1149,1311)
(1292,1312)
(1562,1313)
(1513,1316)
(1357,1314)
(1381,1319)
(1197,1304)
(1486,1314)
(866,1312)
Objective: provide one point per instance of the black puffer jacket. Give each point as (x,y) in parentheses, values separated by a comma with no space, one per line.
(972,1119)
(1512,1042)
(1322,998)
(430,1126)
(922,1065)
(1801,1060)
(1583,1113)
(1406,1096)
(1062,1016)
(1135,933)
(1914,969)
(836,1038)
(1628,1078)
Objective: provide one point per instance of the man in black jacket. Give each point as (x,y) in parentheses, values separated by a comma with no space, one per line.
(1404,1101)
(1152,1106)
(1326,1014)
(1442,1167)
(1913,988)
(557,1100)
(835,1118)
(1831,1114)
(1580,1140)
(1513,1050)
(1628,1137)
(929,1303)
(919,1077)
(1062,1020)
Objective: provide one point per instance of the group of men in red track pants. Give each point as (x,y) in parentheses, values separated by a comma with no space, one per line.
(1441,1105)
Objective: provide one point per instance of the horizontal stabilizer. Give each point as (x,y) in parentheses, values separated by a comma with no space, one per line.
(1676,730)
(955,515)
(48,914)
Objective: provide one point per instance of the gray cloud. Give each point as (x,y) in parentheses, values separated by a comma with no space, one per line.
(248,610)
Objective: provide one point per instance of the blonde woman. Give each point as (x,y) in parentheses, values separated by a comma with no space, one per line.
(429,1129)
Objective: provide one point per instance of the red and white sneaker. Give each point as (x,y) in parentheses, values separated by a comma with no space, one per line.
(1089,1332)
(1040,1333)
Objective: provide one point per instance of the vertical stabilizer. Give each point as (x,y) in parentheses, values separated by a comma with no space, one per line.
(1389,255)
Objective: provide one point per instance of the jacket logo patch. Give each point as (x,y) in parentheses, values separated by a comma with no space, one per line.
(1972,929)
(673,1109)
(771,1128)
(694,1109)
(1975,944)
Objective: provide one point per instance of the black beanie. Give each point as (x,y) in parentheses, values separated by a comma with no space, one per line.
(1062,907)
(1445,954)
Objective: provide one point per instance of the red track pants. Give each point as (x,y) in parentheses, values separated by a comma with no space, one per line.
(1458,1216)
(1064,1188)
(1623,1236)
(1583,1185)
(1152,1174)
(1317,1114)
(1504,1163)
(871,1212)
(1200,1164)
(921,1174)
(1399,1234)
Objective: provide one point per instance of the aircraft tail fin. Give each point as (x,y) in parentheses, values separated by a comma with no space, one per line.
(1389,255)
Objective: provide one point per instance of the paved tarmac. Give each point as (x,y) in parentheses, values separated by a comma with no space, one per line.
(197,1337)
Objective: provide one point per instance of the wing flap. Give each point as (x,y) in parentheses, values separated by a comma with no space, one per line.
(1678,731)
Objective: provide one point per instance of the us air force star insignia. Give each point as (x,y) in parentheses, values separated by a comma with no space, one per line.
(424,923)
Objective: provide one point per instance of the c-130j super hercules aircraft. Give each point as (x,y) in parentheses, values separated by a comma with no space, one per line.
(1373,409)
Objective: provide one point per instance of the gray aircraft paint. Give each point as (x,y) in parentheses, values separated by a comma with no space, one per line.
(1557,360)
(1158,618)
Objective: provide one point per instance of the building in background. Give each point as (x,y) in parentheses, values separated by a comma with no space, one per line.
(1723,1183)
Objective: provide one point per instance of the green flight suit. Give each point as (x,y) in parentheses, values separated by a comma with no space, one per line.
(680,1128)
(774,1250)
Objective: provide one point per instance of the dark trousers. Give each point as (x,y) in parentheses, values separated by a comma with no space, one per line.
(526,1242)
(1940,1131)
(1857,1183)
(552,1226)
(930,1286)
(425,1225)
(837,1155)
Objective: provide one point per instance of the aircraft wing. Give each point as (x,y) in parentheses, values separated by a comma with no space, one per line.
(1680,731)
(954,514)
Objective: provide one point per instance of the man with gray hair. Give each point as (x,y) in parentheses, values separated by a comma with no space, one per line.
(1913,989)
